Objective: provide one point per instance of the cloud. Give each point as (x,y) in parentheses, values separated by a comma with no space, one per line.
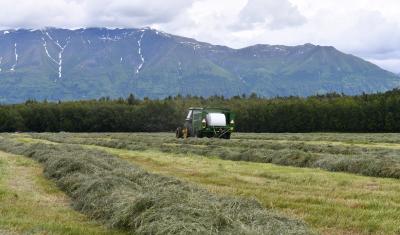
(25,14)
(83,13)
(133,13)
(369,33)
(388,64)
(270,13)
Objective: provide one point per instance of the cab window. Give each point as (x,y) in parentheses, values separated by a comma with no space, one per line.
(189,116)
(196,112)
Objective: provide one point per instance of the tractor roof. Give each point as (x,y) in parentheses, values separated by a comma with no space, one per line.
(209,108)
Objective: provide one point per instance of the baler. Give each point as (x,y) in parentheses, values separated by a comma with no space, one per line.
(207,122)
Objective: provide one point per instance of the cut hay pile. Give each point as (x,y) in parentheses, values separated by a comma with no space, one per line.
(124,196)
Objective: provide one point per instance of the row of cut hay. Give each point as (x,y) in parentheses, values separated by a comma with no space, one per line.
(365,138)
(124,196)
(368,162)
(146,141)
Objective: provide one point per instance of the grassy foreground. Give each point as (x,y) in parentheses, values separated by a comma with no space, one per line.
(124,196)
(333,203)
(31,204)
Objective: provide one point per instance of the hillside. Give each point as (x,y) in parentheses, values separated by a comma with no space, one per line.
(61,64)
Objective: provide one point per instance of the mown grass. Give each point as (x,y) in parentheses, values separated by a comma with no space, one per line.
(31,204)
(333,203)
(375,159)
(361,138)
(124,196)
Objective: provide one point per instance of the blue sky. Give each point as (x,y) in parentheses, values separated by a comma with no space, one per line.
(366,28)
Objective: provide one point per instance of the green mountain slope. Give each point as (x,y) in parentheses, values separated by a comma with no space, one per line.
(60,64)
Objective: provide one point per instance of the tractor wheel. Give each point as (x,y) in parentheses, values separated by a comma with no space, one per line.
(178,133)
(227,136)
(185,132)
(199,135)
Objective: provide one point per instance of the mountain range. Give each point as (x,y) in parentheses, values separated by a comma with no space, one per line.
(87,63)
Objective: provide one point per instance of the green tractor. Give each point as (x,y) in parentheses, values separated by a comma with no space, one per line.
(207,122)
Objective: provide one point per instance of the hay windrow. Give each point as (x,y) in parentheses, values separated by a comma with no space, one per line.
(368,161)
(125,196)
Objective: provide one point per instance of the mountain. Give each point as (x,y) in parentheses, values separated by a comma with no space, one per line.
(61,64)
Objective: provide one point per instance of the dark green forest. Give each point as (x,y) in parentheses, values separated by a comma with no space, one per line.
(323,113)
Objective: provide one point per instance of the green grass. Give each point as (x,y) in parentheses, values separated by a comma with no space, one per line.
(332,203)
(31,204)
(329,202)
(122,195)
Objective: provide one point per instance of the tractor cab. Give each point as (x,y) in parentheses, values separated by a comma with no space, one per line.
(207,122)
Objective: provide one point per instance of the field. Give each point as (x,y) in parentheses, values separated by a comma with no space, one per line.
(325,183)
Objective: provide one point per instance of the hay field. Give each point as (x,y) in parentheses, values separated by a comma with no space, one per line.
(334,183)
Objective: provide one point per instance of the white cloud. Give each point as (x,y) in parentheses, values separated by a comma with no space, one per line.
(388,64)
(366,28)
(82,13)
(25,14)
(271,14)
(127,13)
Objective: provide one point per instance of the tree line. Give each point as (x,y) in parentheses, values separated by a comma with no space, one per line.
(323,113)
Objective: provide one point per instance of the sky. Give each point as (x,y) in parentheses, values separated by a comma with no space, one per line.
(366,28)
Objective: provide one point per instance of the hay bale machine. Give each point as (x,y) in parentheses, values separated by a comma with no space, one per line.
(207,122)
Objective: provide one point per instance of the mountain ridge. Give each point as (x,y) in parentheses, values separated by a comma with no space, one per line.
(63,64)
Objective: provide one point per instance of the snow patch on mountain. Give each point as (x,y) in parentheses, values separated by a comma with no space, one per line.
(48,35)
(139,42)
(16,58)
(191,44)
(1,60)
(60,52)
(163,34)
(157,32)
(62,48)
(47,52)
(108,38)
(242,79)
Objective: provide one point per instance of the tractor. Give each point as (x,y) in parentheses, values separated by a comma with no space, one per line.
(207,122)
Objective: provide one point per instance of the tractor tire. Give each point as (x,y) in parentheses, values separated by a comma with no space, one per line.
(199,135)
(178,133)
(226,136)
